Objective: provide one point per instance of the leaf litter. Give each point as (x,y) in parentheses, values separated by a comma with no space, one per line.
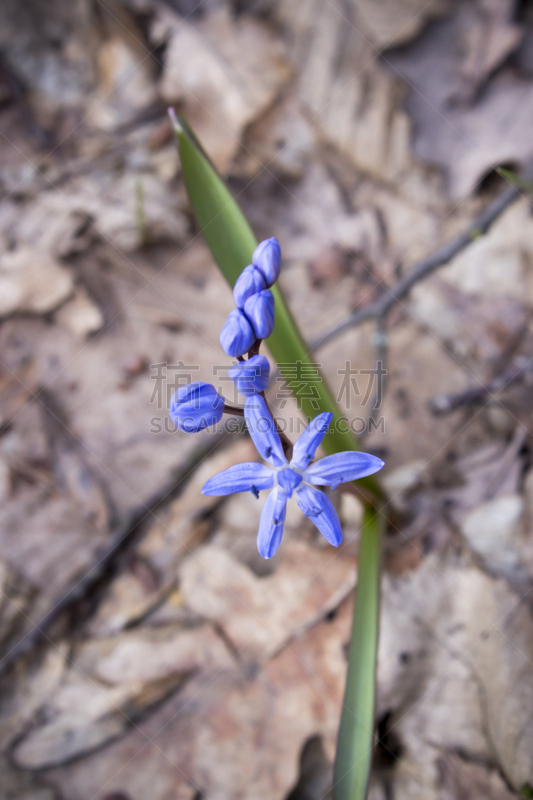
(364,136)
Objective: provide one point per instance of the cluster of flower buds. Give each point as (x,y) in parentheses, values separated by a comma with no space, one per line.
(198,405)
(253,319)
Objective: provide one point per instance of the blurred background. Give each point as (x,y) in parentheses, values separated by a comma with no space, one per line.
(148,652)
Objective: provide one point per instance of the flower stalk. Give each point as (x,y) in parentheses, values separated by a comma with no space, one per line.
(355,743)
(232,244)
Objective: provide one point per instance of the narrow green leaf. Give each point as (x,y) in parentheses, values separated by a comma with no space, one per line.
(515,179)
(355,743)
(232,243)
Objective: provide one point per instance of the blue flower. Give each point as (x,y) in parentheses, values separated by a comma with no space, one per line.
(237,335)
(259,309)
(250,377)
(196,406)
(266,258)
(284,478)
(250,282)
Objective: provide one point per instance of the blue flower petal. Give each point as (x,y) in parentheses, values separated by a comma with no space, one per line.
(250,377)
(342,467)
(247,477)
(196,406)
(260,310)
(305,448)
(271,523)
(249,282)
(319,509)
(266,258)
(237,335)
(263,431)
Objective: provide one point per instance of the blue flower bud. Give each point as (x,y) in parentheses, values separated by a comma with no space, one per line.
(250,282)
(250,377)
(259,308)
(196,406)
(237,335)
(266,258)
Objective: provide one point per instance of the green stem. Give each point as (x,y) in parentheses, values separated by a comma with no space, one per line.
(232,243)
(355,743)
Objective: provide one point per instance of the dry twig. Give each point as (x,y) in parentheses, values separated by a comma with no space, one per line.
(104,568)
(380,308)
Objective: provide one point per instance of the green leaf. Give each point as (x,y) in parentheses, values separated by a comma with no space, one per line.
(232,243)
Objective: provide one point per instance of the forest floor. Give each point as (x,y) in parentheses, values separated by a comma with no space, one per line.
(148,652)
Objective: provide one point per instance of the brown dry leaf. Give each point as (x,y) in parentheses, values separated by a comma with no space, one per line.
(51,51)
(175,532)
(80,315)
(282,139)
(499,263)
(353,103)
(31,281)
(236,736)
(126,83)
(490,35)
(456,667)
(466,141)
(476,329)
(461,780)
(259,615)
(419,362)
(15,597)
(36,684)
(225,72)
(109,683)
(390,24)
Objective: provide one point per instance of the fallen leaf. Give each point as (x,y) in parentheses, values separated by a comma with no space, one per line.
(32,281)
(226,73)
(259,615)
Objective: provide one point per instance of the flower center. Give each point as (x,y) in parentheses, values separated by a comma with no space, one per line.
(289,480)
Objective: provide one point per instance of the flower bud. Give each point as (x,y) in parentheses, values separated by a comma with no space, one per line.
(237,335)
(250,377)
(250,282)
(266,258)
(196,406)
(259,308)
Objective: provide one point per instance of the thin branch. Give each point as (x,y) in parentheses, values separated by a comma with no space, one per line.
(122,538)
(443,255)
(236,411)
(382,350)
(521,368)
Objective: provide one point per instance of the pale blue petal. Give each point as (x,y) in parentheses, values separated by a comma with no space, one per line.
(266,258)
(271,523)
(305,448)
(319,509)
(342,467)
(263,431)
(247,477)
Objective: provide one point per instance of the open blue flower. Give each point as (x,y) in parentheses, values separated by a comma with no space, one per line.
(284,478)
